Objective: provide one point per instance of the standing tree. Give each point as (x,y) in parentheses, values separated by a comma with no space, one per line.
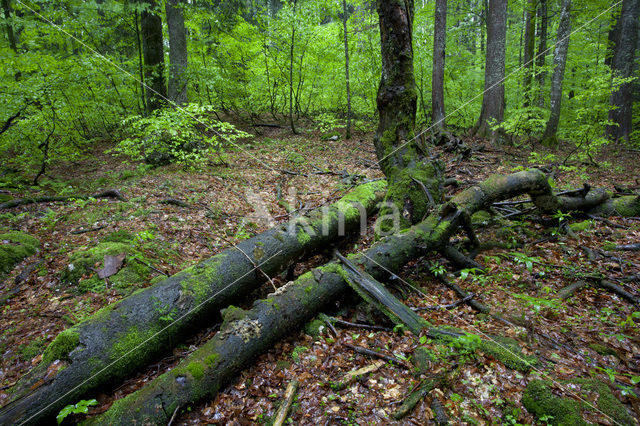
(153,52)
(291,59)
(622,65)
(437,80)
(177,52)
(541,74)
(559,64)
(401,158)
(6,8)
(346,66)
(492,111)
(529,48)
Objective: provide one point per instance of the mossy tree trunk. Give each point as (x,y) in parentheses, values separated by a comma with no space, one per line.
(125,336)
(405,163)
(246,334)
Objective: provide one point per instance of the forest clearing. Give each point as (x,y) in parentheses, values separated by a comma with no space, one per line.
(248,238)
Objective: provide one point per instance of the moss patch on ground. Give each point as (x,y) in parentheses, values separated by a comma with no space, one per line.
(83,266)
(14,248)
(539,399)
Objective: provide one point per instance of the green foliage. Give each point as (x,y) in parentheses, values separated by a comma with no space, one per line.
(82,407)
(187,136)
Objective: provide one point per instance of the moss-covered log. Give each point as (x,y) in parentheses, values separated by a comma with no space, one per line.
(123,337)
(246,334)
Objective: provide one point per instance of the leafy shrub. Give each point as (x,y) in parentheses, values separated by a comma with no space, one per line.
(186,136)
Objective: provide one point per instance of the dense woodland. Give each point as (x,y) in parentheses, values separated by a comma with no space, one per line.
(181,182)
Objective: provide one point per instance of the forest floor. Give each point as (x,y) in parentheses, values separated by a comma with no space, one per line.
(594,333)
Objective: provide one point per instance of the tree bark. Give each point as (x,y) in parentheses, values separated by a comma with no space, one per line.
(6,8)
(492,111)
(529,48)
(123,337)
(622,64)
(291,52)
(541,61)
(437,80)
(346,67)
(153,52)
(246,334)
(401,158)
(177,52)
(559,63)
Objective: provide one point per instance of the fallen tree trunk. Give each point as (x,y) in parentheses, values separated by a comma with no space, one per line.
(125,336)
(109,193)
(246,334)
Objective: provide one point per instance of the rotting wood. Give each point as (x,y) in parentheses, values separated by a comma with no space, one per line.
(109,193)
(355,375)
(283,411)
(374,293)
(379,355)
(414,397)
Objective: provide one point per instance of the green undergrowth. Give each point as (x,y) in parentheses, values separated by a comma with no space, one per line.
(14,247)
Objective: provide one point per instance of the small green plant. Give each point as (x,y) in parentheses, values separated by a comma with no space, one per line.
(437,269)
(185,136)
(538,303)
(327,122)
(81,407)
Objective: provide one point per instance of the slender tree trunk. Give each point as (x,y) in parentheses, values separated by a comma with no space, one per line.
(437,80)
(6,8)
(622,64)
(177,52)
(143,98)
(291,52)
(346,67)
(559,64)
(153,51)
(529,48)
(541,61)
(493,99)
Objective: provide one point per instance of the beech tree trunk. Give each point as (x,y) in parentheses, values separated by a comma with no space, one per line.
(437,80)
(623,64)
(153,52)
(493,99)
(346,66)
(177,52)
(121,338)
(529,48)
(541,61)
(6,9)
(559,63)
(246,334)
(401,157)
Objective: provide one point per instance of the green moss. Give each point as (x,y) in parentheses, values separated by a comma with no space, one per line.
(61,346)
(83,264)
(481,217)
(607,402)
(232,313)
(581,226)
(602,349)
(539,400)
(201,276)
(121,236)
(314,328)
(303,237)
(131,341)
(508,352)
(29,351)
(211,360)
(14,247)
(297,351)
(627,206)
(196,369)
